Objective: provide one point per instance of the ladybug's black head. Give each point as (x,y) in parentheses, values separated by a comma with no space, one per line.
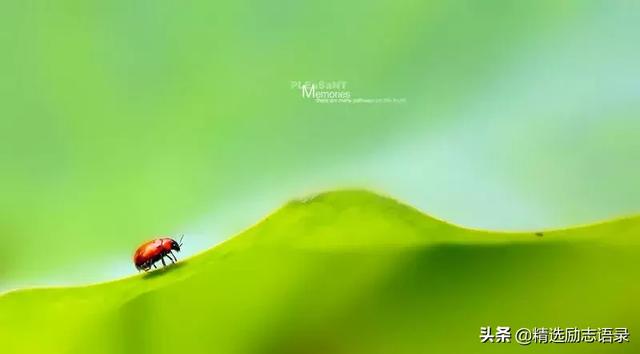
(175,245)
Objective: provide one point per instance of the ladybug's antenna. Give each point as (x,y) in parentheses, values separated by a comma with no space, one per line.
(180,242)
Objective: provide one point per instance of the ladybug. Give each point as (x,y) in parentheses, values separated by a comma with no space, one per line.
(153,251)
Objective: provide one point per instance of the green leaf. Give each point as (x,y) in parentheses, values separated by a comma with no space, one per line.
(347,272)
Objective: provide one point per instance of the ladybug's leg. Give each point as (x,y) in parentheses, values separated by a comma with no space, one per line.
(154,266)
(174,256)
(171,259)
(163,263)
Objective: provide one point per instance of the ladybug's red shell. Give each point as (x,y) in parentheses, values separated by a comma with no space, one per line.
(153,251)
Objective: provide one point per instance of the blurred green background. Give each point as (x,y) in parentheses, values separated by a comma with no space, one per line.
(124,120)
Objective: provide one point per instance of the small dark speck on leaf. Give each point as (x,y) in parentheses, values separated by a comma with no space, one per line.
(539,234)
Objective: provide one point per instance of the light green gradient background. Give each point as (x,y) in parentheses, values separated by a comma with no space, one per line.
(121,120)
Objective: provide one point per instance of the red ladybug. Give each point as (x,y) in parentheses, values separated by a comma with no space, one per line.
(155,250)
